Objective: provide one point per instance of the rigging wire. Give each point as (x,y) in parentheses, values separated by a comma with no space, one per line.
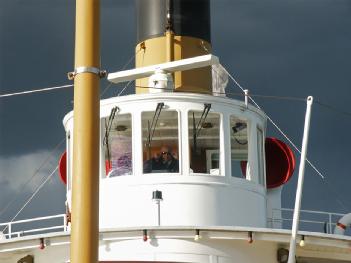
(230,93)
(35,91)
(330,107)
(279,129)
(32,196)
(338,199)
(26,183)
(63,86)
(123,68)
(334,109)
(125,87)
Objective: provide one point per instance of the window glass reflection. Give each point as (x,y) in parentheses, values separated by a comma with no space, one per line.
(204,142)
(160,141)
(239,147)
(260,155)
(118,145)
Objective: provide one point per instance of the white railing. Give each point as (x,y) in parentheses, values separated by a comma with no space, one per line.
(323,222)
(315,221)
(6,229)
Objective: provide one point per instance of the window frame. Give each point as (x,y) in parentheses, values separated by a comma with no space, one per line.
(261,166)
(103,173)
(248,176)
(221,150)
(151,108)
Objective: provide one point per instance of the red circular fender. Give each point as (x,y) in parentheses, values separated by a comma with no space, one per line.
(280,163)
(63,168)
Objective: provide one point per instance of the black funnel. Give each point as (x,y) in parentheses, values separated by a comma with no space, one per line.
(187,17)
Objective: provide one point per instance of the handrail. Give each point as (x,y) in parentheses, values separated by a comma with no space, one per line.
(309,211)
(33,219)
(9,225)
(330,222)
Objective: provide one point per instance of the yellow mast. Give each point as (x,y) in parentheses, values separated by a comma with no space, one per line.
(85,191)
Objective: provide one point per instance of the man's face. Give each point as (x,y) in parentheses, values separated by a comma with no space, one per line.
(165,154)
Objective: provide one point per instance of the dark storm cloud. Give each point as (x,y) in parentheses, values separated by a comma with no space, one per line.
(282,48)
(296,48)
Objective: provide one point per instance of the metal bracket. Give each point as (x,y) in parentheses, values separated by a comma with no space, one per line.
(100,73)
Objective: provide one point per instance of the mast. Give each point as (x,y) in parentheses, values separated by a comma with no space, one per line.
(85,191)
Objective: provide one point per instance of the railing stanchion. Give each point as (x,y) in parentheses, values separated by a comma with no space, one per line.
(10,230)
(64,223)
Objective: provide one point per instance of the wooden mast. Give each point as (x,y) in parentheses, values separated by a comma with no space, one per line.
(85,192)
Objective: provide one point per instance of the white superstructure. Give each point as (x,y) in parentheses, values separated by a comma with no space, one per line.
(218,194)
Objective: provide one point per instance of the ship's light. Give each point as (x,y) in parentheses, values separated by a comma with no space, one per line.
(197,236)
(302,241)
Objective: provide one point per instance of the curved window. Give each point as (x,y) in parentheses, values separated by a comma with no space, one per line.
(160,141)
(260,155)
(239,147)
(204,141)
(118,145)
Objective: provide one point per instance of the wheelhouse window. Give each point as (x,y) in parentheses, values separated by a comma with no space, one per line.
(160,140)
(239,147)
(204,142)
(260,155)
(118,144)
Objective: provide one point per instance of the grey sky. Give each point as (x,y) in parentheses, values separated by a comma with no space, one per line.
(272,47)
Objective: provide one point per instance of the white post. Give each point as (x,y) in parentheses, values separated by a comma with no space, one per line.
(10,230)
(295,226)
(246,91)
(64,223)
(158,212)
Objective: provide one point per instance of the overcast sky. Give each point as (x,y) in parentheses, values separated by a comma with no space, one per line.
(273,47)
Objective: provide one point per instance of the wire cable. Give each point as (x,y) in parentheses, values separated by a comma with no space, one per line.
(332,108)
(24,184)
(291,143)
(125,87)
(273,123)
(230,93)
(124,67)
(63,86)
(32,196)
(36,172)
(35,91)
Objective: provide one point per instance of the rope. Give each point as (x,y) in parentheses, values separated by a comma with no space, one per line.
(33,195)
(35,91)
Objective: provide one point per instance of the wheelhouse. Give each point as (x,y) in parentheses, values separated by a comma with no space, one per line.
(195,148)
